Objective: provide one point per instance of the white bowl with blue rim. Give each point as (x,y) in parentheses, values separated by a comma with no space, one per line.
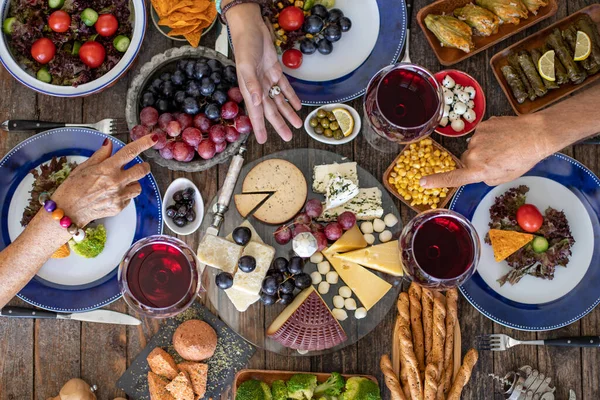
(175,186)
(138,22)
(323,139)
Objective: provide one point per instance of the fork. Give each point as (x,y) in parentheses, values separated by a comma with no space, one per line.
(409,6)
(500,342)
(109,126)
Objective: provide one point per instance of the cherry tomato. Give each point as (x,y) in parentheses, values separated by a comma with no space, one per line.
(92,54)
(530,219)
(292,58)
(43,50)
(59,21)
(106,25)
(291,18)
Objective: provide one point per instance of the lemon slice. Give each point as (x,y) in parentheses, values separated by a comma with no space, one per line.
(345,120)
(546,66)
(583,48)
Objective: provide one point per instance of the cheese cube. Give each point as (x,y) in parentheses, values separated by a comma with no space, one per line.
(219,253)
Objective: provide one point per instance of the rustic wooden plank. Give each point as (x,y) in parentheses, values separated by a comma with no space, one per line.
(589,377)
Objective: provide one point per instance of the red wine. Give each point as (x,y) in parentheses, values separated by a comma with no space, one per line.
(407,99)
(159,275)
(443,247)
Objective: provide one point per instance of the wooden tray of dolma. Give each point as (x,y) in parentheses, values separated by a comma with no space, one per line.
(534,41)
(449,56)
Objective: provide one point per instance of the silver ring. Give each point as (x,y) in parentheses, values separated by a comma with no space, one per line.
(274,91)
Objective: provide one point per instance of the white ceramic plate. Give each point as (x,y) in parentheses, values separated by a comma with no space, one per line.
(181,184)
(357,125)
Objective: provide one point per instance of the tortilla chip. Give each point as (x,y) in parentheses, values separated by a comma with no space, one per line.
(506,243)
(183,30)
(193,38)
(62,252)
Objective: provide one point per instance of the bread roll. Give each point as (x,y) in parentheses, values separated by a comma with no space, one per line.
(195,340)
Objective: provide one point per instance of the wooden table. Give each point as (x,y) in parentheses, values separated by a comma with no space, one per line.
(37,358)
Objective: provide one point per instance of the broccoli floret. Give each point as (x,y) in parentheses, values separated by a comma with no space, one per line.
(279,390)
(253,390)
(359,388)
(331,387)
(92,245)
(301,386)
(266,391)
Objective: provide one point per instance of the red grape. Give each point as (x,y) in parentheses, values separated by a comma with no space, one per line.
(302,218)
(313,208)
(283,234)
(207,149)
(333,231)
(181,151)
(138,132)
(162,139)
(231,135)
(317,227)
(190,156)
(235,94)
(164,120)
(347,219)
(149,116)
(167,151)
(242,124)
(229,110)
(185,120)
(321,240)
(173,128)
(217,133)
(202,122)
(300,228)
(192,136)
(220,147)
(176,115)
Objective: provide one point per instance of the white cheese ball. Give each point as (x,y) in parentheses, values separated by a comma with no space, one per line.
(378,225)
(460,108)
(471,104)
(470,90)
(302,351)
(340,314)
(390,220)
(366,227)
(453,116)
(316,258)
(338,301)
(448,82)
(345,292)
(385,236)
(446,110)
(458,125)
(323,288)
(448,97)
(323,267)
(332,277)
(360,313)
(470,116)
(463,96)
(350,304)
(369,238)
(316,277)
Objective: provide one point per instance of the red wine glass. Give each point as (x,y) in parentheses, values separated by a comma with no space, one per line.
(403,104)
(159,276)
(439,249)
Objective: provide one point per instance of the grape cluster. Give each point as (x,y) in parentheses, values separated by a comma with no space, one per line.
(282,280)
(182,212)
(197,108)
(323,28)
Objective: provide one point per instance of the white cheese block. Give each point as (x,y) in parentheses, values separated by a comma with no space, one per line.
(251,282)
(219,253)
(366,206)
(339,191)
(323,173)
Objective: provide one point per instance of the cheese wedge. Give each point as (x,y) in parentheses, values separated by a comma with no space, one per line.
(383,257)
(251,282)
(506,243)
(246,202)
(219,253)
(368,287)
(323,173)
(352,239)
(339,191)
(366,205)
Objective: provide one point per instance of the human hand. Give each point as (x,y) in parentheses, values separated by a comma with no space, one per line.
(100,187)
(258,70)
(501,150)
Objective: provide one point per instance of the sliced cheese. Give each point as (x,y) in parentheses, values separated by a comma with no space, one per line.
(382,257)
(339,191)
(255,236)
(246,202)
(219,253)
(368,287)
(506,243)
(323,173)
(352,239)
(366,205)
(251,282)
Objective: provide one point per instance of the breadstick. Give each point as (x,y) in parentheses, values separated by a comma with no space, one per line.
(416,325)
(427,304)
(451,321)
(463,376)
(391,380)
(410,362)
(439,333)
(431,376)
(405,339)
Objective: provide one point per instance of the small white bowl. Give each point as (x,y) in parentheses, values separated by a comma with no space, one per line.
(176,185)
(357,124)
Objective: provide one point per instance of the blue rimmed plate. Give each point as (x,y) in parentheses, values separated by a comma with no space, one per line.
(74,283)
(534,304)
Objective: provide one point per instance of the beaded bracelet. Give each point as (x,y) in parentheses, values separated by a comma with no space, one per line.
(223,10)
(59,215)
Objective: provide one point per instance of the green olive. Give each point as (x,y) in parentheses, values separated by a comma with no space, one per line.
(314,122)
(338,135)
(325,123)
(330,116)
(321,114)
(334,126)
(319,130)
(328,133)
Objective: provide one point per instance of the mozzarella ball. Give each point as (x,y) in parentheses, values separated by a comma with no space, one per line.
(378,225)
(453,116)
(366,227)
(345,292)
(332,277)
(316,277)
(448,82)
(316,258)
(350,304)
(458,125)
(470,116)
(323,288)
(360,313)
(459,108)
(390,220)
(369,238)
(446,110)
(323,267)
(385,236)
(470,90)
(448,97)
(463,96)
(471,104)
(340,314)
(338,301)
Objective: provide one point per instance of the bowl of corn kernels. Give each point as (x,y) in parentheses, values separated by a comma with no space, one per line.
(415,161)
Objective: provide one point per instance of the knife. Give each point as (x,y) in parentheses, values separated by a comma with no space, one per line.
(100,316)
(222,43)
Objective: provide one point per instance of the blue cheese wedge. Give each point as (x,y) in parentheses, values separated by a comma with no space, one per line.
(366,205)
(251,282)
(323,173)
(219,253)
(339,191)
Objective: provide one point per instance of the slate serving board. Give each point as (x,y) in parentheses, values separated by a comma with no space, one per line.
(231,355)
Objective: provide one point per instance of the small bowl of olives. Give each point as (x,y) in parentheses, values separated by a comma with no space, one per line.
(322,125)
(183,207)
